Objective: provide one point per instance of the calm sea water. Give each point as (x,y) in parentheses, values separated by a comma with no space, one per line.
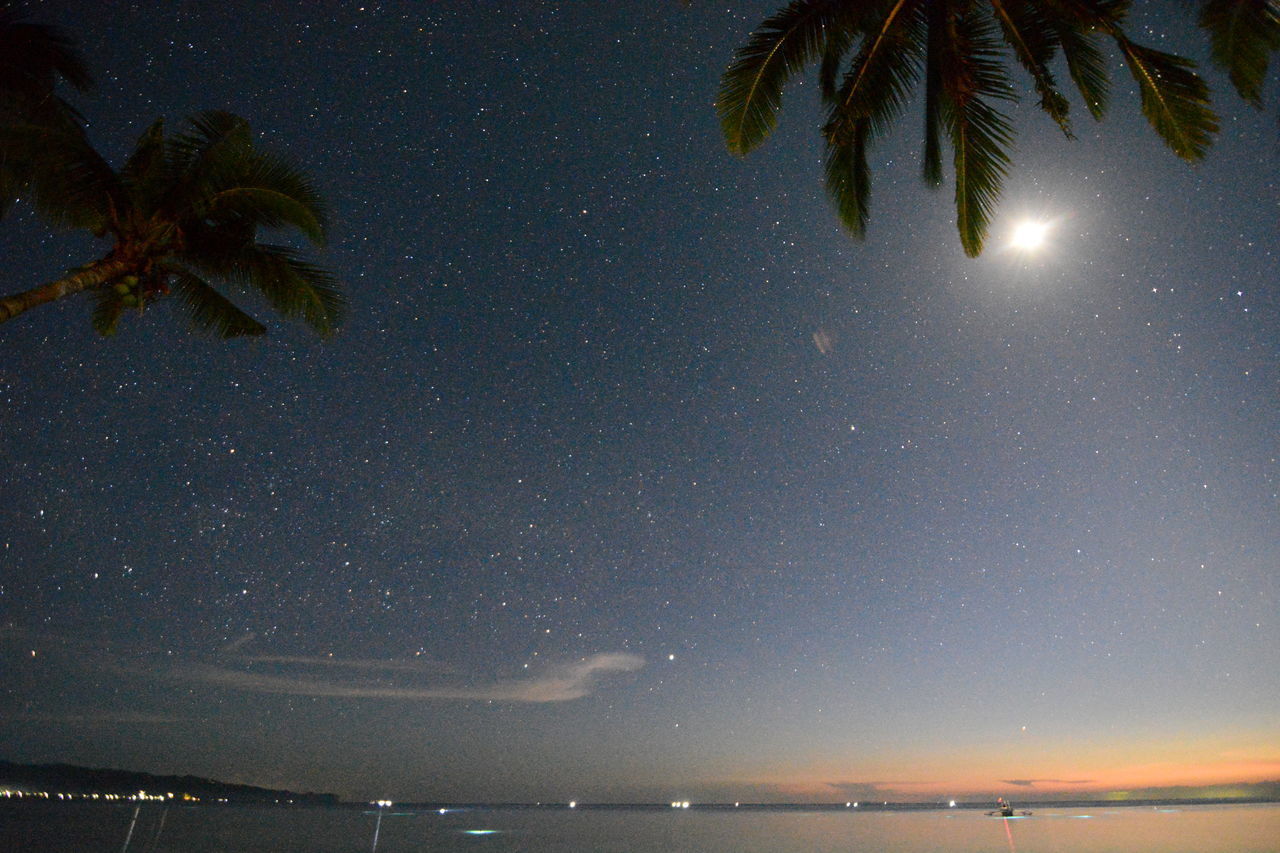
(90,828)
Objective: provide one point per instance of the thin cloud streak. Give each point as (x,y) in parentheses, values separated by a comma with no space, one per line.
(570,682)
(876,790)
(411,665)
(238,644)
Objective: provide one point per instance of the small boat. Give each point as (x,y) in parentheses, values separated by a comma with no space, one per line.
(1004,808)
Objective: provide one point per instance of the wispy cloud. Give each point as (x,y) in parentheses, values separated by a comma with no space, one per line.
(414,664)
(238,643)
(231,666)
(561,684)
(1027,783)
(874,790)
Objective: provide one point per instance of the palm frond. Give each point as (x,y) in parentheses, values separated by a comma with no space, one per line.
(981,137)
(1175,99)
(34,58)
(107,311)
(980,134)
(848,178)
(882,75)
(13,179)
(272,193)
(208,309)
(293,286)
(871,95)
(210,131)
(211,156)
(38,54)
(1242,36)
(1080,26)
(751,88)
(931,162)
(1088,15)
(1031,37)
(839,40)
(1087,66)
(143,174)
(68,182)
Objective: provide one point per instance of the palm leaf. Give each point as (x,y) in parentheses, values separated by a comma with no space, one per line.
(873,93)
(69,183)
(1242,36)
(935,15)
(981,137)
(209,157)
(13,179)
(1088,15)
(882,75)
(208,309)
(33,59)
(274,194)
(293,287)
(1088,68)
(848,178)
(751,88)
(833,53)
(980,134)
(1031,37)
(143,173)
(210,131)
(1174,98)
(107,311)
(1080,25)
(38,54)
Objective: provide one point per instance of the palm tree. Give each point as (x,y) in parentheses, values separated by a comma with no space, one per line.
(182,211)
(872,54)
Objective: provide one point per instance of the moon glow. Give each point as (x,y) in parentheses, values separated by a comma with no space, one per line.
(1028,236)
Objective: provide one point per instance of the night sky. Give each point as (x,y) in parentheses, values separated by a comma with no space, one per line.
(630,476)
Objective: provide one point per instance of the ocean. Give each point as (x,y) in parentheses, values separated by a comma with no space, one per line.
(160,828)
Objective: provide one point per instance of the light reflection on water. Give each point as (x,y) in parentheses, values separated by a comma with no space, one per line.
(90,829)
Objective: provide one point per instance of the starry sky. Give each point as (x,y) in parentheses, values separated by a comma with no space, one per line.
(630,476)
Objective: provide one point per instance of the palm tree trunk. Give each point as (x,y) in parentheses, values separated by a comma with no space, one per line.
(95,274)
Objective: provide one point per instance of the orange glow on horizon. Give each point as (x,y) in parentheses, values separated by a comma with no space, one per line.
(978,780)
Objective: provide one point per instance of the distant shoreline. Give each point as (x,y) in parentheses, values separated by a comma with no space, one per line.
(50,798)
(73,783)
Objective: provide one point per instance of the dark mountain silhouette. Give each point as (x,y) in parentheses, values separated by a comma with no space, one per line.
(67,778)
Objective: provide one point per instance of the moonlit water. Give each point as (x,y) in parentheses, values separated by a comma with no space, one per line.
(1168,829)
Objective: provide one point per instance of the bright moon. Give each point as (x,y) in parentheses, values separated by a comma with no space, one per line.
(1029,236)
